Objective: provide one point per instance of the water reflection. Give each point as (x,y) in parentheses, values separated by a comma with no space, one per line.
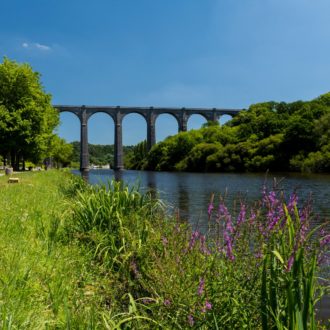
(151,184)
(85,175)
(190,192)
(118,175)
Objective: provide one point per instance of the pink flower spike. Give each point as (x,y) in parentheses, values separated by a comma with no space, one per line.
(208,305)
(201,287)
(290,262)
(191,321)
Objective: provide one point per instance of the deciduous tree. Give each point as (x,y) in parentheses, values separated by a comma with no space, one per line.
(27,118)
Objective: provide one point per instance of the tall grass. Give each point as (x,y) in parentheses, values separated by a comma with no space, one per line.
(43,277)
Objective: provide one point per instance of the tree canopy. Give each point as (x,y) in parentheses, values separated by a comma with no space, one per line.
(27,118)
(267,136)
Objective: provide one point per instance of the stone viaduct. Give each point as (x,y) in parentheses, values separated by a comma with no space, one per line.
(150,114)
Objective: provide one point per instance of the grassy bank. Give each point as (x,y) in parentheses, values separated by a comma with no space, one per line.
(78,257)
(40,271)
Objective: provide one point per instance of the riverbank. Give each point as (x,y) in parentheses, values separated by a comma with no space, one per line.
(39,270)
(74,256)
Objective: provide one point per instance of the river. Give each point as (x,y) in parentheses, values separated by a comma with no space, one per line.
(189,193)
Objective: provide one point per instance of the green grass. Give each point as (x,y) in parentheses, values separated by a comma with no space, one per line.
(45,282)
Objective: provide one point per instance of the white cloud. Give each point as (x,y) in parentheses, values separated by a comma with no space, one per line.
(42,47)
(36,46)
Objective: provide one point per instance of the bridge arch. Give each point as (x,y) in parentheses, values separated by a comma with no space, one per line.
(164,120)
(91,114)
(225,118)
(101,129)
(132,123)
(196,120)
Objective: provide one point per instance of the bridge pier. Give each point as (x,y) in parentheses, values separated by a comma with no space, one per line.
(84,156)
(151,131)
(119,163)
(183,120)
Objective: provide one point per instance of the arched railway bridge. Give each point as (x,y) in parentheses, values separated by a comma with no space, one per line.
(150,114)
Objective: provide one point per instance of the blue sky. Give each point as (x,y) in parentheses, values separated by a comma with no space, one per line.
(199,53)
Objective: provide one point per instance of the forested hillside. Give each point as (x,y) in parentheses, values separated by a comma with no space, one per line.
(275,136)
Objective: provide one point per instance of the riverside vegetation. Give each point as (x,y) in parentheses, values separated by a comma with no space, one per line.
(267,136)
(81,257)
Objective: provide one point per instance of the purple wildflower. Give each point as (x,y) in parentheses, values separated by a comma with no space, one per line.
(292,202)
(167,302)
(304,214)
(302,232)
(229,224)
(206,307)
(290,262)
(165,241)
(229,246)
(191,321)
(242,214)
(201,287)
(272,198)
(222,210)
(203,247)
(258,255)
(253,216)
(325,240)
(194,236)
(262,230)
(264,195)
(273,219)
(209,210)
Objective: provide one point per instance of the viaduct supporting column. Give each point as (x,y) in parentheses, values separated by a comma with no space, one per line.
(84,157)
(215,116)
(119,164)
(151,132)
(183,124)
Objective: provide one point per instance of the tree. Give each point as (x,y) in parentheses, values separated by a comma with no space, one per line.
(60,151)
(27,118)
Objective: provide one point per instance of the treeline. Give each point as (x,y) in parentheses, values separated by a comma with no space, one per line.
(98,154)
(268,136)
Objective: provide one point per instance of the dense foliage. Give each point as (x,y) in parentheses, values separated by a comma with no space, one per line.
(60,152)
(27,118)
(99,154)
(275,136)
(134,156)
